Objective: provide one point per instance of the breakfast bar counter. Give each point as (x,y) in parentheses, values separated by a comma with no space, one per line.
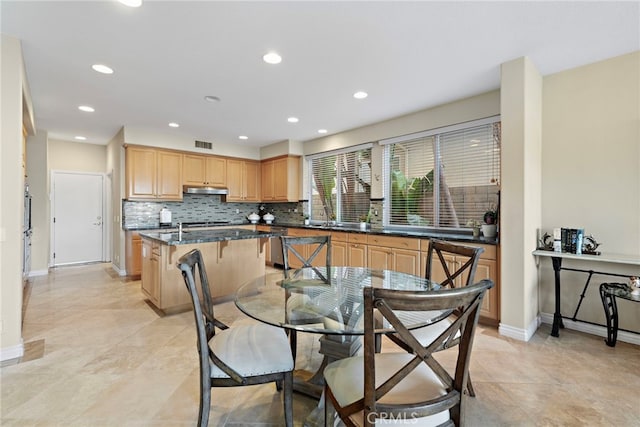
(232,256)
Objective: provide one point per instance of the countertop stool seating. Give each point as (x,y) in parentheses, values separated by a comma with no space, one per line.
(436,257)
(295,303)
(236,356)
(406,387)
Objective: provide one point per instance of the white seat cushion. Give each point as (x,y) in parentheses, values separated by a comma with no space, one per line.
(252,350)
(346,379)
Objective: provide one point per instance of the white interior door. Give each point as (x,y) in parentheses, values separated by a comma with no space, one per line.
(77,218)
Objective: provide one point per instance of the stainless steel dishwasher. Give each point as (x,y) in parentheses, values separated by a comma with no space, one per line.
(276,246)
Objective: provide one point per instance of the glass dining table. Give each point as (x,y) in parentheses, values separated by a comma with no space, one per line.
(328,302)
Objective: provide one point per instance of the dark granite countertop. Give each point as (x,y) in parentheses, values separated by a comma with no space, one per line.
(420,234)
(155,232)
(169,237)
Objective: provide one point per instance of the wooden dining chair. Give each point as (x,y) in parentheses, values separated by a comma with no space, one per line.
(406,387)
(441,268)
(291,245)
(236,356)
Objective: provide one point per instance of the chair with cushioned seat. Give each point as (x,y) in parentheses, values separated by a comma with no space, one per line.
(238,355)
(407,387)
(294,302)
(437,258)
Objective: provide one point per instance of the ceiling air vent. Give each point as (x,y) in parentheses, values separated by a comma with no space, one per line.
(204,144)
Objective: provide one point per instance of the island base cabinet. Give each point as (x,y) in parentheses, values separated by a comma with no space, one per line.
(229,264)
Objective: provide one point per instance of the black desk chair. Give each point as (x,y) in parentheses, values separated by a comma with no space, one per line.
(236,356)
(406,386)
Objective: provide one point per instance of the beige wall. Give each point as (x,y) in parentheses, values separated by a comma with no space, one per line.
(115,171)
(591,172)
(521,92)
(14,84)
(77,157)
(38,178)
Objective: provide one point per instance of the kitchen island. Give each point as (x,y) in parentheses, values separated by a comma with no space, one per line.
(232,256)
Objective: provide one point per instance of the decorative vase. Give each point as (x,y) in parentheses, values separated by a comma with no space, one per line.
(489,230)
(306,222)
(363,226)
(476,231)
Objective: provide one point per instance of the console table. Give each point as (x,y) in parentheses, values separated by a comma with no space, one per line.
(609,292)
(556,259)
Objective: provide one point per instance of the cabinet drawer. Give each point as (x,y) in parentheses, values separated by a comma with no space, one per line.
(394,242)
(357,238)
(339,236)
(490,251)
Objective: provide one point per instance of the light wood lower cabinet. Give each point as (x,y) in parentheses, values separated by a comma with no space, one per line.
(229,264)
(487,269)
(133,254)
(394,253)
(307,250)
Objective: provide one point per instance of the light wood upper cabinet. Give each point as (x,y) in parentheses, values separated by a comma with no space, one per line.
(153,174)
(243,180)
(281,179)
(204,170)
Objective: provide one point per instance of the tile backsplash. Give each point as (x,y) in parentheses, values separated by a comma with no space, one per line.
(196,207)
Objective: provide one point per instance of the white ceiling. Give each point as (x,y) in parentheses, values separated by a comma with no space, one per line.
(167,55)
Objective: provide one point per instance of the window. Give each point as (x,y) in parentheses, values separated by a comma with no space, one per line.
(442,178)
(340,184)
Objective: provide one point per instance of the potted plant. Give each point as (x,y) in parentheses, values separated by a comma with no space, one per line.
(489,228)
(364,221)
(306,219)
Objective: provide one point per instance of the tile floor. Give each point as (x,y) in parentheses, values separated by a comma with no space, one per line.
(98,355)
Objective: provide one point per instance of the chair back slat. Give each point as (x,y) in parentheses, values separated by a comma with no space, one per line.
(386,303)
(289,244)
(436,257)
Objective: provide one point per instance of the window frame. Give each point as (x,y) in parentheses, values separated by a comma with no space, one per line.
(386,173)
(338,208)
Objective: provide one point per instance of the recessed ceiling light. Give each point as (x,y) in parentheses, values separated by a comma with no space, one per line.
(174,125)
(131,3)
(293,120)
(81,138)
(211,98)
(322,131)
(86,108)
(272,58)
(360,95)
(101,68)
(243,137)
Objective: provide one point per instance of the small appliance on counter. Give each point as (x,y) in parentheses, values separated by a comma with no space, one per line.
(165,217)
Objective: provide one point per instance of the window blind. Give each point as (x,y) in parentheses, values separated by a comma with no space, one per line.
(443,180)
(340,185)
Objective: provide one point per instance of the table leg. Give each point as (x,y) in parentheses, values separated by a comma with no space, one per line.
(611,313)
(557,317)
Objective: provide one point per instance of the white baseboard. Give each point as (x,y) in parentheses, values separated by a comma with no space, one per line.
(10,353)
(35,273)
(588,328)
(519,333)
(120,272)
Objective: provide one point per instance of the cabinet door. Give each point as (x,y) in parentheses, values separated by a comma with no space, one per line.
(406,261)
(267,180)
(357,255)
(141,173)
(194,169)
(216,171)
(251,181)
(150,266)
(234,180)
(169,175)
(379,258)
(490,303)
(339,253)
(136,256)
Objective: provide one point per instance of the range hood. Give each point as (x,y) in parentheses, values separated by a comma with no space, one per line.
(192,189)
